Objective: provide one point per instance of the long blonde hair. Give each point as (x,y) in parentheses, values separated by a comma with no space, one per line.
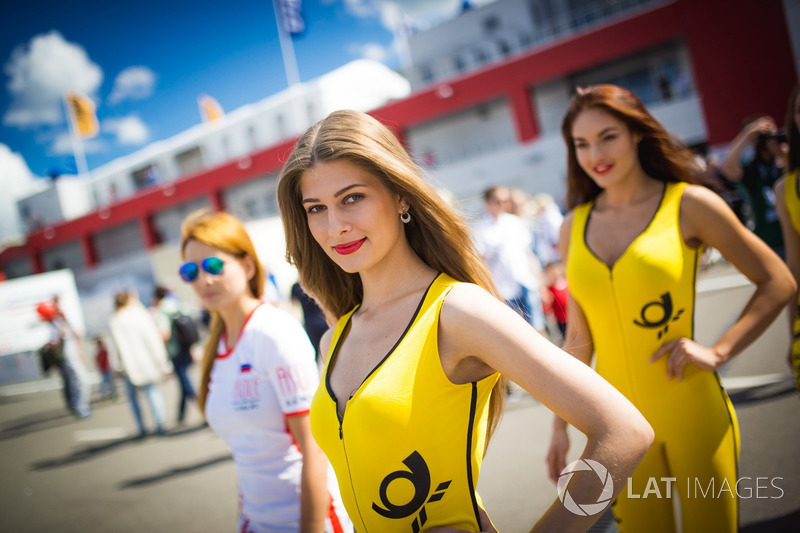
(436,233)
(227,233)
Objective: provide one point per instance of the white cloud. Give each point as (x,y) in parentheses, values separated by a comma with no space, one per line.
(133,83)
(40,72)
(62,145)
(372,51)
(420,13)
(363,8)
(129,130)
(16,181)
(401,17)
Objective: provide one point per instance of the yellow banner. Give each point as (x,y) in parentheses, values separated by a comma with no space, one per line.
(84,118)
(210,109)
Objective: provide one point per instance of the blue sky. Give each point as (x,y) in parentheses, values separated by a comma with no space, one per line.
(155,58)
(145,62)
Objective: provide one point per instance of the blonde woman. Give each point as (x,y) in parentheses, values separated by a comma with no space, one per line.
(258,377)
(412,385)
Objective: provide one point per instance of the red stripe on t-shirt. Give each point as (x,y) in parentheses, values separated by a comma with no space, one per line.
(336,524)
(229,351)
(297,413)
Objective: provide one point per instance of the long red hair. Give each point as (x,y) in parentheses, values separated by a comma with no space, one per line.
(662,156)
(792,133)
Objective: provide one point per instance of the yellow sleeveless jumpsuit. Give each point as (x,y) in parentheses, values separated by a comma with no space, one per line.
(793,206)
(408,450)
(645,300)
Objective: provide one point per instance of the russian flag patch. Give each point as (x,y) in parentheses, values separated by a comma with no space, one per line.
(245,368)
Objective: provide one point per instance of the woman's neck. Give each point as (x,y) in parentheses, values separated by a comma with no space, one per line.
(400,275)
(234,317)
(633,190)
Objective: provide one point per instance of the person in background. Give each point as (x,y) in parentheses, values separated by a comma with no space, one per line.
(412,384)
(73,369)
(313,317)
(505,244)
(257,378)
(734,194)
(167,309)
(758,174)
(787,192)
(559,290)
(547,219)
(140,357)
(632,242)
(108,386)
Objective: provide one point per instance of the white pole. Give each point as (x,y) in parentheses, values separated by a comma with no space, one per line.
(287,48)
(301,118)
(77,144)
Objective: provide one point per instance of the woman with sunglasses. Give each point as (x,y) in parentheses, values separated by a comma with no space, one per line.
(412,385)
(632,243)
(257,378)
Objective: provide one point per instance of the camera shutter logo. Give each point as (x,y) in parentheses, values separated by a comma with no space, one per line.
(585,509)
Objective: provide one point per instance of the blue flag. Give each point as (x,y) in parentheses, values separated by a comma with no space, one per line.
(292,16)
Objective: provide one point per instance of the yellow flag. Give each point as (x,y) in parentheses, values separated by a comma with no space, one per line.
(210,109)
(83,114)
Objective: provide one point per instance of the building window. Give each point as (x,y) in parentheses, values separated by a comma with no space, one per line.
(145,176)
(503,47)
(190,161)
(252,138)
(226,147)
(249,208)
(426,74)
(491,24)
(280,126)
(311,112)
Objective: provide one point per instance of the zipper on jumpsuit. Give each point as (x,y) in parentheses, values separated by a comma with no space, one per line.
(346,459)
(631,382)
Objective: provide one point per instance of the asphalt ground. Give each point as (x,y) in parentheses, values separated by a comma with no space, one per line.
(58,473)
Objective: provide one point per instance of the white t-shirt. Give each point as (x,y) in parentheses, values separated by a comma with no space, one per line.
(505,246)
(268,376)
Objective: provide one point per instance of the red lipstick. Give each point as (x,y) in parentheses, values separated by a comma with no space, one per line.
(602,169)
(350,247)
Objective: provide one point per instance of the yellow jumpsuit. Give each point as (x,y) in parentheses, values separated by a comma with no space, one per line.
(793,207)
(643,301)
(407,451)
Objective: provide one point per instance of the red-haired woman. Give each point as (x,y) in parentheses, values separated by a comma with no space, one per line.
(632,241)
(787,195)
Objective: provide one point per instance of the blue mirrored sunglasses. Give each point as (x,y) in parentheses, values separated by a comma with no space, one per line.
(189,271)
